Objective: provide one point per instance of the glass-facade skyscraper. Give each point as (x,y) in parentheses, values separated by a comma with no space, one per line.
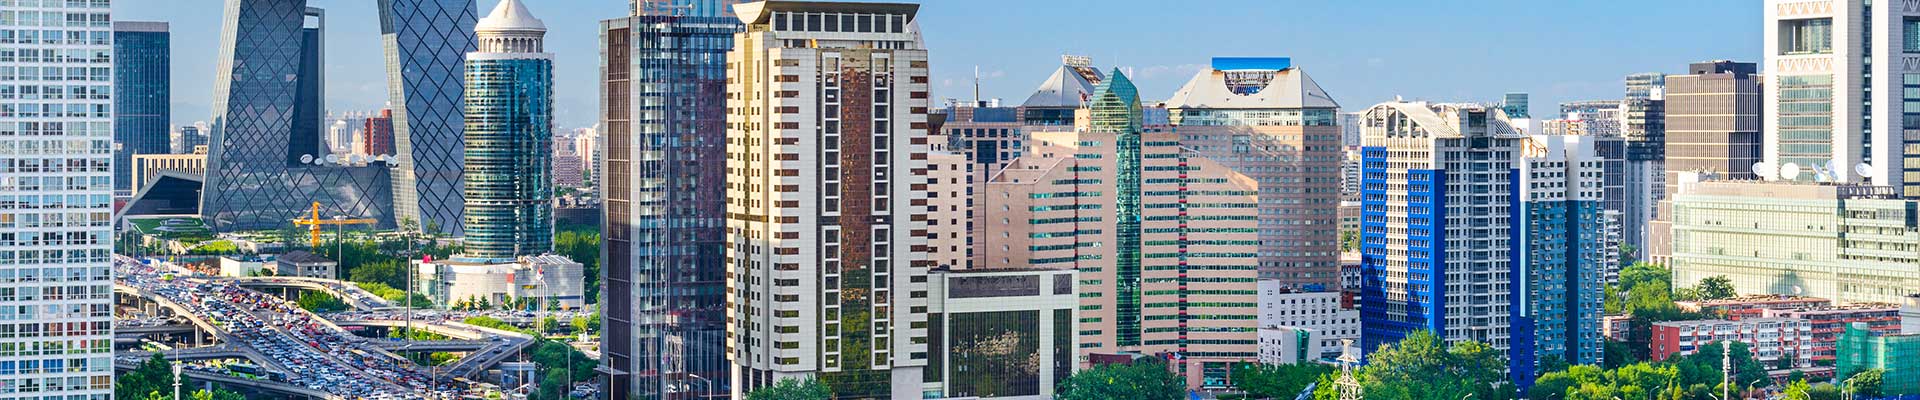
(426,46)
(664,120)
(55,254)
(509,144)
(140,112)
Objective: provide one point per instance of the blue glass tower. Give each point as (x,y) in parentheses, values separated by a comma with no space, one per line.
(509,143)
(265,163)
(664,274)
(140,75)
(426,46)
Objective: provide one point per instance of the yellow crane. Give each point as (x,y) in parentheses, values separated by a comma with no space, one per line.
(313,222)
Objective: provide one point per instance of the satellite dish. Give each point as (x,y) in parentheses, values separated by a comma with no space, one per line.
(306,158)
(1765,170)
(1789,171)
(333,159)
(1865,170)
(357,159)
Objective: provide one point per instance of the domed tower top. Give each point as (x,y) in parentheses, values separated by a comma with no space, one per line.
(511,29)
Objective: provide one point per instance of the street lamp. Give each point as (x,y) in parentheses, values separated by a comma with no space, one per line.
(709,385)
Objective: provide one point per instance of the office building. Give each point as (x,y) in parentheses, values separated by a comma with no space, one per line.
(344,131)
(987,138)
(265,162)
(141,72)
(1001,333)
(949,206)
(1828,107)
(1563,252)
(1265,118)
(1516,106)
(1604,117)
(59,222)
(567,172)
(549,281)
(184,139)
(1898,355)
(376,138)
(147,168)
(1848,243)
(509,137)
(1770,339)
(1349,129)
(1713,128)
(1149,224)
(1440,223)
(1054,102)
(426,45)
(659,155)
(1643,126)
(826,149)
(1326,314)
(1285,345)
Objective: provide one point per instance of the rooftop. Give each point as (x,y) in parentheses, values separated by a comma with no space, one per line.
(302,257)
(510,15)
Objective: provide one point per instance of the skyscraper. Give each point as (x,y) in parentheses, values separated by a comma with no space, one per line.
(509,137)
(1444,176)
(826,151)
(1713,127)
(266,161)
(141,72)
(1838,82)
(376,139)
(1643,125)
(1560,231)
(426,45)
(1264,117)
(661,146)
(57,251)
(1164,237)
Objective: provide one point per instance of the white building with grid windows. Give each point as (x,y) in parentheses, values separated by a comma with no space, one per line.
(56,180)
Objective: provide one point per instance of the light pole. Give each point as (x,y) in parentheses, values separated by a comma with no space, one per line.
(176,380)
(339,242)
(709,384)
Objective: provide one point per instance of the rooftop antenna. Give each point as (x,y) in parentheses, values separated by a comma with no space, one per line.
(976,85)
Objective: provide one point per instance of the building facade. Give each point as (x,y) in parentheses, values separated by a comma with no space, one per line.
(1770,339)
(147,168)
(142,74)
(661,146)
(426,45)
(1440,220)
(1002,334)
(1829,109)
(60,302)
(184,139)
(1713,127)
(1562,252)
(1150,225)
(1265,118)
(1898,355)
(376,139)
(1327,314)
(509,137)
(1847,243)
(826,157)
(266,161)
(1828,323)
(1643,125)
(551,281)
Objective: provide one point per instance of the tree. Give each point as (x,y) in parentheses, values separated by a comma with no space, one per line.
(389,272)
(1796,391)
(1143,379)
(1276,381)
(321,302)
(582,244)
(1867,382)
(1715,288)
(1423,366)
(792,389)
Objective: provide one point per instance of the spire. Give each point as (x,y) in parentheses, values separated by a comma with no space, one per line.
(510,15)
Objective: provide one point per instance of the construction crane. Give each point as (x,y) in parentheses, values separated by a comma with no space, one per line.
(313,223)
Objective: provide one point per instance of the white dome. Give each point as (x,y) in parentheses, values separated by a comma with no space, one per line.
(510,15)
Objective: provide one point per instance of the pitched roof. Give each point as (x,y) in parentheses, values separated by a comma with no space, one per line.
(301,257)
(1288,88)
(510,15)
(1068,87)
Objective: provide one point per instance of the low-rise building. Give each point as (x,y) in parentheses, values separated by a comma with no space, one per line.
(1615,327)
(1829,322)
(553,280)
(1862,348)
(1003,334)
(1769,338)
(1282,345)
(304,264)
(1324,313)
(234,267)
(1910,315)
(1749,306)
(147,167)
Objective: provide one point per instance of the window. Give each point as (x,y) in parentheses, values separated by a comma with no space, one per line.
(1910,27)
(1806,36)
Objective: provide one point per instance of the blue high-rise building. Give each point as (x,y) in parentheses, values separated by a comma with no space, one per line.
(1475,232)
(664,120)
(141,75)
(265,160)
(426,46)
(509,143)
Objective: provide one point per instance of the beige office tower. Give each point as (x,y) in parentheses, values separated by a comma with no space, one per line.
(1713,130)
(1164,239)
(947,208)
(826,164)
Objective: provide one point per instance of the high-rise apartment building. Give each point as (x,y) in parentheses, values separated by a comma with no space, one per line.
(141,72)
(59,324)
(266,162)
(1265,118)
(987,138)
(1164,238)
(1839,76)
(1560,229)
(509,137)
(1441,221)
(826,169)
(1713,127)
(426,45)
(661,143)
(376,138)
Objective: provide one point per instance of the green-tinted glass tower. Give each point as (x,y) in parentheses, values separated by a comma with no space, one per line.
(1116,109)
(509,127)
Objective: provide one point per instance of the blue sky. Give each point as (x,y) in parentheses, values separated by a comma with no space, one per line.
(1362,52)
